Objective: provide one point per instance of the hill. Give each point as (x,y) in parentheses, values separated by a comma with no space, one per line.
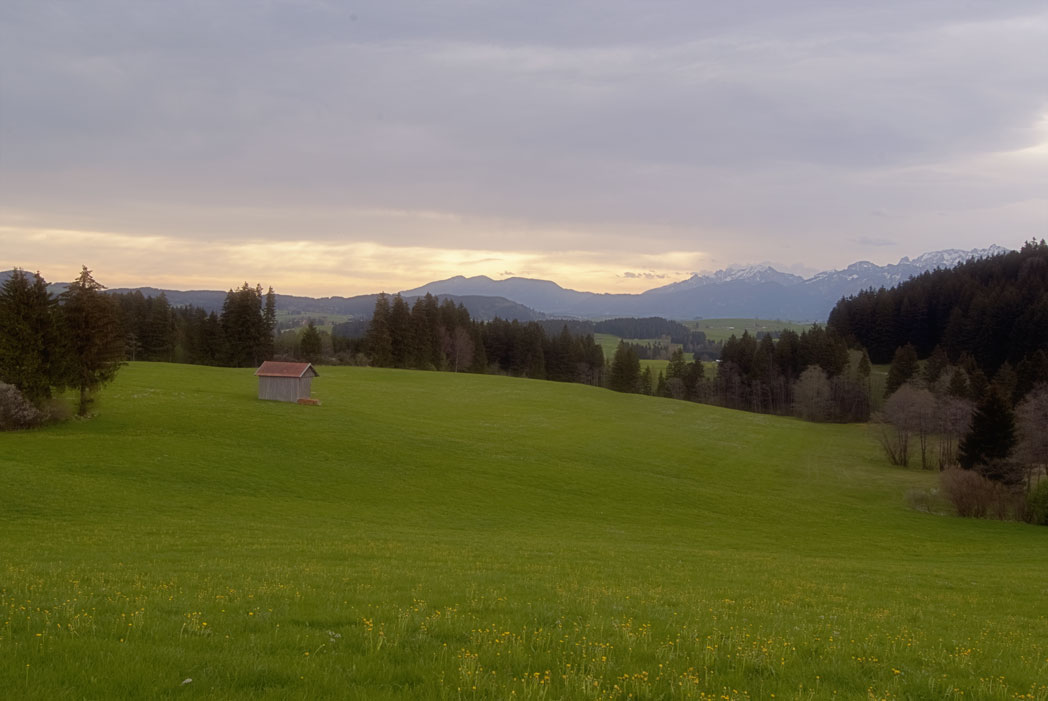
(359,307)
(432,535)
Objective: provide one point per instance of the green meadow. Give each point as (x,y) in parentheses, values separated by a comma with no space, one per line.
(723,329)
(431,535)
(610,343)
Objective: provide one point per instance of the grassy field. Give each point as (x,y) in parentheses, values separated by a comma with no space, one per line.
(723,329)
(323,322)
(427,535)
(609,344)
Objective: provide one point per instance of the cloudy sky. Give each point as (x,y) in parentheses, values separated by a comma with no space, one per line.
(331,147)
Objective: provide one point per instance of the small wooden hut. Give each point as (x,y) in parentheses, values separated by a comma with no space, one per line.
(285,382)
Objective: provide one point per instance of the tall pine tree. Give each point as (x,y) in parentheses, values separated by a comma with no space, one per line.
(95,342)
(992,433)
(30,345)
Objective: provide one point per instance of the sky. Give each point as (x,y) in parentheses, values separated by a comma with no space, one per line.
(341,148)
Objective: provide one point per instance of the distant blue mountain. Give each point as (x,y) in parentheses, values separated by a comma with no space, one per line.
(753,291)
(758,291)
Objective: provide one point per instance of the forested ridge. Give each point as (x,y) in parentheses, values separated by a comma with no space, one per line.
(993,309)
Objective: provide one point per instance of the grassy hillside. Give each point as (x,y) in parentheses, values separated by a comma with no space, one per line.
(440,536)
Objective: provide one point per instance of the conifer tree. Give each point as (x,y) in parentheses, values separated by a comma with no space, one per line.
(158,333)
(30,345)
(958,386)
(992,433)
(269,325)
(378,342)
(646,380)
(311,346)
(96,345)
(243,326)
(402,333)
(935,365)
(903,368)
(625,370)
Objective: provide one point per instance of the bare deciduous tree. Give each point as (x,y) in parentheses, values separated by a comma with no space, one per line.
(811,394)
(1031,419)
(953,416)
(909,411)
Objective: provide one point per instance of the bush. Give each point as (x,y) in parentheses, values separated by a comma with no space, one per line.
(16,411)
(927,501)
(1037,504)
(974,496)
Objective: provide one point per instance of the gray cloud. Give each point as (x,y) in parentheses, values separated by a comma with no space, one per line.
(756,132)
(647,275)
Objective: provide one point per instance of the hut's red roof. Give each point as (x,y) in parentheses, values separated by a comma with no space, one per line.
(271,368)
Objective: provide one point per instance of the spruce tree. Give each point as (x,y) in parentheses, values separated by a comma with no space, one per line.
(94,339)
(646,380)
(992,433)
(958,386)
(311,345)
(935,365)
(402,333)
(903,368)
(30,345)
(269,324)
(158,335)
(625,370)
(378,341)
(243,327)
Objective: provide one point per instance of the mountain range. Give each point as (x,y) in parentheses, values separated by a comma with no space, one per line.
(751,291)
(758,291)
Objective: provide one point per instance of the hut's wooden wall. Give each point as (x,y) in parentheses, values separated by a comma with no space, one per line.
(283,389)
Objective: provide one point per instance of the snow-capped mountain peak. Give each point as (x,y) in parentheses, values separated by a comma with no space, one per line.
(951,257)
(753,274)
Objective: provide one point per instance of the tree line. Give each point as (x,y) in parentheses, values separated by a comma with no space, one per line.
(240,336)
(79,339)
(434,335)
(811,375)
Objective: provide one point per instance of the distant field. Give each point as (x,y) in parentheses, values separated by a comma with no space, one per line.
(429,535)
(323,322)
(723,329)
(609,344)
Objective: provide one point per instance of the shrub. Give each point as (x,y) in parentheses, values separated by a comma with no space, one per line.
(974,496)
(927,501)
(968,491)
(1037,504)
(15,410)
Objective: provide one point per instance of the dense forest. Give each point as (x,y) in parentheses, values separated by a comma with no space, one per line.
(993,309)
(811,374)
(441,336)
(241,336)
